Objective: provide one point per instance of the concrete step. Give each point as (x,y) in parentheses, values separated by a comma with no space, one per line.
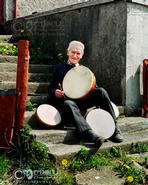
(7,44)
(9,59)
(127,125)
(33,68)
(67,151)
(64,143)
(5,38)
(33,87)
(32,77)
(38,98)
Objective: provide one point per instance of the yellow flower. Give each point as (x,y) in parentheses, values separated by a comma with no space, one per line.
(64,162)
(14,46)
(126,166)
(130,179)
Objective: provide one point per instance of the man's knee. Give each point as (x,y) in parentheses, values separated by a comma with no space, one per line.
(102,91)
(69,103)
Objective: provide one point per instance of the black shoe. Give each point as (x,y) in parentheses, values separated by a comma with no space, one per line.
(92,137)
(117,136)
(99,141)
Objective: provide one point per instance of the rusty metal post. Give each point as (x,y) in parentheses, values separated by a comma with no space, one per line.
(21,83)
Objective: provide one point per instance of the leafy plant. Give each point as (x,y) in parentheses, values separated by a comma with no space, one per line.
(4,166)
(65,178)
(31,106)
(139,148)
(9,49)
(85,160)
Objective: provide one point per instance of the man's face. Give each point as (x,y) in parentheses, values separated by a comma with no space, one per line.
(74,55)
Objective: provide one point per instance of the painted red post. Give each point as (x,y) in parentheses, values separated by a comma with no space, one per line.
(15,9)
(1,12)
(145,87)
(21,83)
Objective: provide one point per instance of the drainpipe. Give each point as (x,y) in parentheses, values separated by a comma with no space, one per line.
(15,9)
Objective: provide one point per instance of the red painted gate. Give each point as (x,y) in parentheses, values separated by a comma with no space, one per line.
(1,12)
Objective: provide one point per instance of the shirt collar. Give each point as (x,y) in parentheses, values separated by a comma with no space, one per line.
(75,65)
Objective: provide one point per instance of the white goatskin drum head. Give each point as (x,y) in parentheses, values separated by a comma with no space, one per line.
(101,122)
(48,115)
(116,110)
(78,82)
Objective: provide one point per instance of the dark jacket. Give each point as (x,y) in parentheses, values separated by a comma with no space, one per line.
(60,71)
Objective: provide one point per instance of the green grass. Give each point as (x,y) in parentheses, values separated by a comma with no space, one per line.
(4,167)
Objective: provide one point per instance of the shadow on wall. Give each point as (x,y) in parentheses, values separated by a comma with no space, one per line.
(133,96)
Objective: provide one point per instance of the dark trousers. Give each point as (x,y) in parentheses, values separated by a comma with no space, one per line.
(73,109)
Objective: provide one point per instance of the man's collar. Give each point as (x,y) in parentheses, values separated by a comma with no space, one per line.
(69,63)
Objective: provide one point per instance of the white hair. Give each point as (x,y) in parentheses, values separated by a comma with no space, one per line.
(76,45)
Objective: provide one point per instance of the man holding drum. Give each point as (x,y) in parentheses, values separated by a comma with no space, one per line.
(72,108)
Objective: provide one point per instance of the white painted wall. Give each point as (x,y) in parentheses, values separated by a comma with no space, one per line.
(137,50)
(8,9)
(27,7)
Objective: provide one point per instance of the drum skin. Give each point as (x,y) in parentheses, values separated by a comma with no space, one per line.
(101,122)
(48,116)
(78,83)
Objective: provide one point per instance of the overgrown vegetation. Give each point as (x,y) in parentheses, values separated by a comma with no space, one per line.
(126,166)
(40,53)
(4,167)
(32,163)
(9,49)
(31,106)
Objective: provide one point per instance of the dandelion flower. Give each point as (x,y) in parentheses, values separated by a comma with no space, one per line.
(126,166)
(64,162)
(130,179)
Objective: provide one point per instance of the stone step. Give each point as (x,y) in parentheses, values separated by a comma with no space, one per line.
(67,151)
(38,98)
(9,59)
(32,77)
(128,125)
(7,44)
(33,68)
(5,38)
(33,87)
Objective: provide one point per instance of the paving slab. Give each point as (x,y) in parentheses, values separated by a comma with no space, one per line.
(104,176)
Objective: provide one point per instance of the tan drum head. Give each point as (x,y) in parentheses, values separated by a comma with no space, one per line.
(48,115)
(78,82)
(101,122)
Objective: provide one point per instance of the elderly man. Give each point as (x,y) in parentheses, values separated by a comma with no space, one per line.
(73,108)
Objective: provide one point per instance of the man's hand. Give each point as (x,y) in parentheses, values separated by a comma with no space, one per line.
(59,93)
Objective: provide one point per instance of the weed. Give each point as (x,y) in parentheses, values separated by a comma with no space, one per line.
(139,148)
(85,160)
(9,49)
(31,106)
(4,166)
(65,178)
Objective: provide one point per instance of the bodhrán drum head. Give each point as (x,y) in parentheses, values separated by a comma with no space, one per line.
(101,122)
(48,115)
